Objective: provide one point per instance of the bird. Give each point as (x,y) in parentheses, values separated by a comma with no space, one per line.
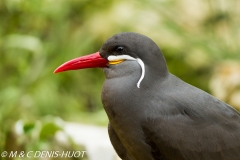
(154,115)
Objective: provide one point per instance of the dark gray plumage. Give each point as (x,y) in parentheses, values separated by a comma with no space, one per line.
(166,118)
(154,115)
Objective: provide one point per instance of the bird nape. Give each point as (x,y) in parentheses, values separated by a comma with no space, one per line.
(153,115)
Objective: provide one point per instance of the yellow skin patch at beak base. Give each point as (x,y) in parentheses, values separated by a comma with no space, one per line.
(116,62)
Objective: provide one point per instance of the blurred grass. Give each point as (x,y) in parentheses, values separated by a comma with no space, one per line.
(37,36)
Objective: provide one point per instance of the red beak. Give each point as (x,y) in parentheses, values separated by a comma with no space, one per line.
(89,61)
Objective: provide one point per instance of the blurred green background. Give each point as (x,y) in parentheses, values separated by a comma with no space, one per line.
(200,40)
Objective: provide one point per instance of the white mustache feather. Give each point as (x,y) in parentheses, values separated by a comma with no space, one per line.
(127,57)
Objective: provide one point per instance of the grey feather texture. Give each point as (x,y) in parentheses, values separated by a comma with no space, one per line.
(166,118)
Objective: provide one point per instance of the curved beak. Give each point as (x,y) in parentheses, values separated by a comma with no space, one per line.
(89,61)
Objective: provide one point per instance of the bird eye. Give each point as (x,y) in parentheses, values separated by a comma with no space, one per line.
(119,49)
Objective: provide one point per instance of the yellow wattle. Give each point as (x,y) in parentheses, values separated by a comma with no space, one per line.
(115,62)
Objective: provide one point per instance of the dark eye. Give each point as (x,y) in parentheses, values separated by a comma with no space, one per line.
(119,49)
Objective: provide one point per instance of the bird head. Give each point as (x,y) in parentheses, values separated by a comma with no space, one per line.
(119,49)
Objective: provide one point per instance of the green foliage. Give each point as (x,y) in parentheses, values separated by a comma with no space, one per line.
(36,36)
(37,135)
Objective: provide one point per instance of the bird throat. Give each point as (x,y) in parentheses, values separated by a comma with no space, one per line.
(120,58)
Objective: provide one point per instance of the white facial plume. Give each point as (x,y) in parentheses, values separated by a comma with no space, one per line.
(127,57)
